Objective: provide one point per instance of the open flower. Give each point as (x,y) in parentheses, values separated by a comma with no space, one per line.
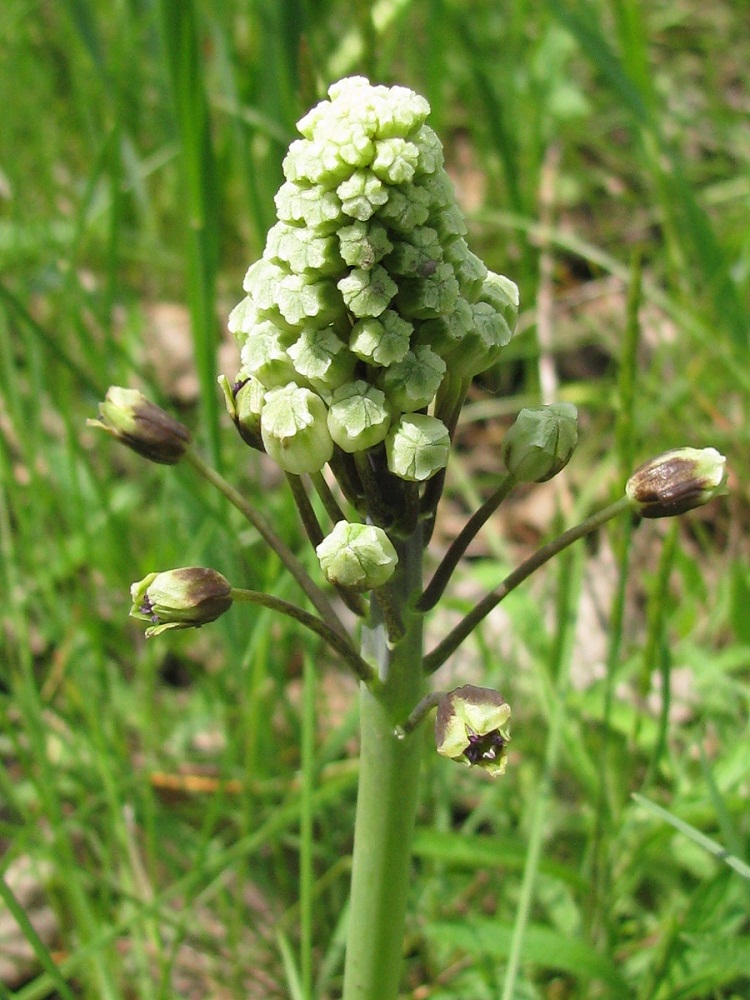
(180,598)
(471,727)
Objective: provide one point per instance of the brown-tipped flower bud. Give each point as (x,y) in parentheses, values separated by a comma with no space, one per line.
(676,481)
(180,598)
(472,728)
(129,417)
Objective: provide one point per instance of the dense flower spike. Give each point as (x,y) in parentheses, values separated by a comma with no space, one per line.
(367,299)
(180,598)
(676,481)
(471,727)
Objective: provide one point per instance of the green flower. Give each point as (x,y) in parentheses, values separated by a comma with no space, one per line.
(180,598)
(676,481)
(471,727)
(359,557)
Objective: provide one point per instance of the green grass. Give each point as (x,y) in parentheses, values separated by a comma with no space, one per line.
(141,148)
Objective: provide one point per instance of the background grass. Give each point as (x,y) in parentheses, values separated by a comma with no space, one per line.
(185,805)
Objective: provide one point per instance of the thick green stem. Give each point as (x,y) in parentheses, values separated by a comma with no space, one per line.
(387,796)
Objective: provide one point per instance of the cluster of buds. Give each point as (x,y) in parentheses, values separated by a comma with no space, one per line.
(363,324)
(367,314)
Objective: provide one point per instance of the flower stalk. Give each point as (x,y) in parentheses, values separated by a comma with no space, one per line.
(437,657)
(387,794)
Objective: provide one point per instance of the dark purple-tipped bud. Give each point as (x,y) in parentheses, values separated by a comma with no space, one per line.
(472,728)
(180,598)
(676,481)
(143,426)
(244,402)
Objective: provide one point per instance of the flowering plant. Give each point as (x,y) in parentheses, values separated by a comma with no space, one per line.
(363,325)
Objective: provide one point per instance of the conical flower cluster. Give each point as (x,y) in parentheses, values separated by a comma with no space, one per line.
(367,312)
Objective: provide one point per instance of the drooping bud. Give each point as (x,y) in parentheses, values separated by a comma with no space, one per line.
(676,481)
(360,557)
(294,427)
(540,442)
(417,447)
(471,727)
(180,598)
(244,402)
(143,426)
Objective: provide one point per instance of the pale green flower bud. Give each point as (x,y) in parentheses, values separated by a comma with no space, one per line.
(294,427)
(180,598)
(318,210)
(359,557)
(445,333)
(405,209)
(264,355)
(396,161)
(411,384)
(541,442)
(430,295)
(358,417)
(367,293)
(303,251)
(472,728)
(502,293)
(143,426)
(362,195)
(364,244)
(244,402)
(418,254)
(430,153)
(300,299)
(381,341)
(322,359)
(417,447)
(471,272)
(676,481)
